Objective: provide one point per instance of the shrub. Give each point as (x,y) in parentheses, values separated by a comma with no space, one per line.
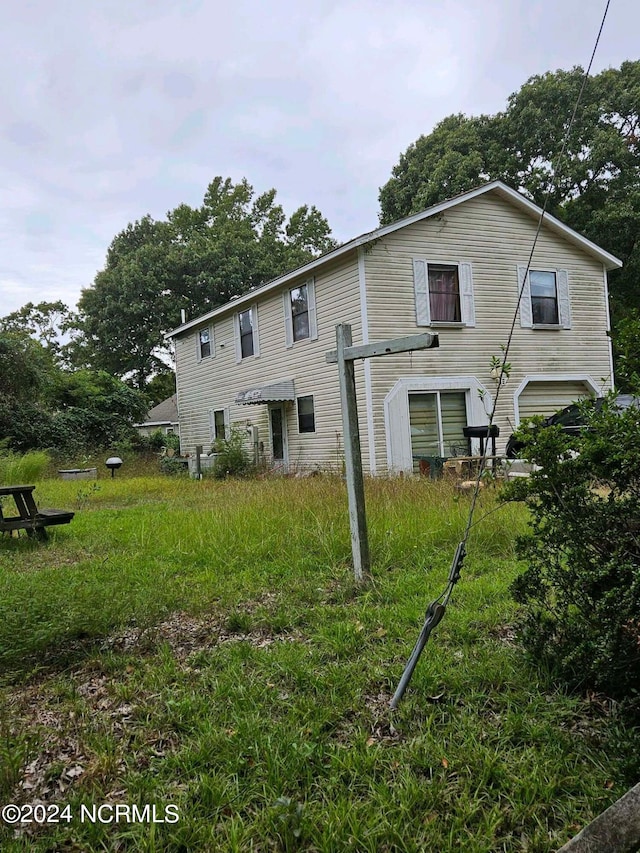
(232,458)
(580,593)
(171,465)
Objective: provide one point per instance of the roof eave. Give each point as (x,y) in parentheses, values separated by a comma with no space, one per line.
(610,261)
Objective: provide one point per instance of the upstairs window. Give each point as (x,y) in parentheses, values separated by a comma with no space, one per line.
(204,344)
(300,313)
(545,299)
(443,293)
(246,333)
(306,414)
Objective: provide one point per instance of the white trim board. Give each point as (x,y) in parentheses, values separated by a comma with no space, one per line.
(552,377)
(368,388)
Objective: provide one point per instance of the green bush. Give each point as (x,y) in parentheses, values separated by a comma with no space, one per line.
(156,441)
(232,458)
(171,465)
(16,469)
(580,593)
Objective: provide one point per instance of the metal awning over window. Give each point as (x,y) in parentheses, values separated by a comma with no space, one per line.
(275,392)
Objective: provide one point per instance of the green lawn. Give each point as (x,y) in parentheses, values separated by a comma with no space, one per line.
(203,645)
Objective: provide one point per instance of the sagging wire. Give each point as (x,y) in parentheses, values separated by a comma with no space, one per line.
(436,610)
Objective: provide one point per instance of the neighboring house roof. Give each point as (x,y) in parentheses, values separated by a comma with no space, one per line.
(165,412)
(502,190)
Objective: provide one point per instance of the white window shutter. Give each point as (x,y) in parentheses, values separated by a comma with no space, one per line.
(311,305)
(212,426)
(288,320)
(526,312)
(227,422)
(421,286)
(198,351)
(236,338)
(465,276)
(254,326)
(564,303)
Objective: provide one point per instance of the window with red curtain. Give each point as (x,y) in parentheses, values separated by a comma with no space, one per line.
(444,293)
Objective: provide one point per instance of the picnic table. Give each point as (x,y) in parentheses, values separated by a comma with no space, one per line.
(29,518)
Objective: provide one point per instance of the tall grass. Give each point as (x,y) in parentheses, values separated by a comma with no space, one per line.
(263,712)
(16,469)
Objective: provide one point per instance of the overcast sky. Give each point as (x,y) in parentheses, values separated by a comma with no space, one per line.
(112,109)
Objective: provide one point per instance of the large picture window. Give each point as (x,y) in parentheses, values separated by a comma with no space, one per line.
(437,421)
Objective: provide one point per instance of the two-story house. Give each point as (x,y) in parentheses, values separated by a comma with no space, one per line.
(455,269)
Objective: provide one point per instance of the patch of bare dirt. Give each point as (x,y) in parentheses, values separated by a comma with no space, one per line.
(185,634)
(64,718)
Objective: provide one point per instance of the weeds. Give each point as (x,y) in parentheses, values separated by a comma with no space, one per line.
(203,644)
(26,468)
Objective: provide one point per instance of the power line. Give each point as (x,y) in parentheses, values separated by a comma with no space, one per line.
(436,609)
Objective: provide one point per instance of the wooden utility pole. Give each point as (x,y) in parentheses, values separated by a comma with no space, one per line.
(344,356)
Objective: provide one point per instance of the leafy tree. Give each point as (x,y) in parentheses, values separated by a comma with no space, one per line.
(161,386)
(196,260)
(27,368)
(596,187)
(95,409)
(43,405)
(47,322)
(627,352)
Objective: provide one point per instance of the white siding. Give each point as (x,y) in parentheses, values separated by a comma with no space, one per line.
(495,238)
(546,398)
(487,233)
(214,383)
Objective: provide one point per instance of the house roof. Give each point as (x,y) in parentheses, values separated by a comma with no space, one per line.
(165,412)
(497,187)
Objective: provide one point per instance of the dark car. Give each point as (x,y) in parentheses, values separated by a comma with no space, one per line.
(572,419)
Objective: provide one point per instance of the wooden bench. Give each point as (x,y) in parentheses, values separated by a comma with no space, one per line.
(29,518)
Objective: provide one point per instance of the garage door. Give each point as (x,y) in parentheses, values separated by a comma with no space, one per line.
(545,398)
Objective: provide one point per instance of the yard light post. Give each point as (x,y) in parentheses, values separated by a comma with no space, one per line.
(113,463)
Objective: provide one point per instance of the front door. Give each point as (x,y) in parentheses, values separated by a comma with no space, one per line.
(278,430)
